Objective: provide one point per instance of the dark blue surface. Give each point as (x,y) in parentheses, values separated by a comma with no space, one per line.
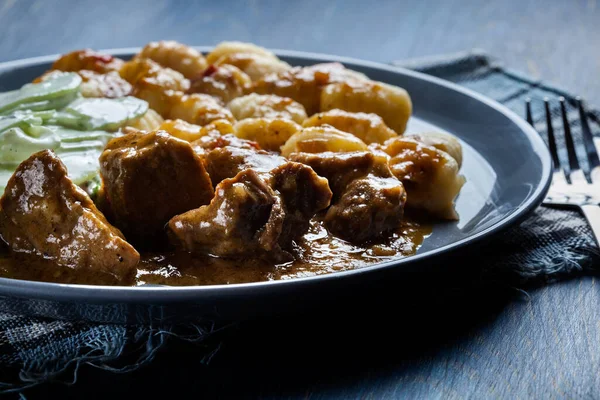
(438,338)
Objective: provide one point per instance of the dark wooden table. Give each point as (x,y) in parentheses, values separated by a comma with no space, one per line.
(435,337)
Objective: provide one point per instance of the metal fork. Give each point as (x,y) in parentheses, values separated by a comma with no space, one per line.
(573,185)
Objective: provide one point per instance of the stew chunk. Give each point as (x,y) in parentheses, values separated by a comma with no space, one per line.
(45,215)
(150,177)
(368,200)
(227,155)
(254,213)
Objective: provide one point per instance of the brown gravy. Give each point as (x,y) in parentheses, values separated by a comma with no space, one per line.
(316,253)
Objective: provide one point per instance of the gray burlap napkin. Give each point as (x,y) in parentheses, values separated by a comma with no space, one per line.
(549,245)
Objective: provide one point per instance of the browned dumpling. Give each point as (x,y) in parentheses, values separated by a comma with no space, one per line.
(148,178)
(320,139)
(150,121)
(430,175)
(234,47)
(254,214)
(269,133)
(182,130)
(368,201)
(87,60)
(177,56)
(46,216)
(267,106)
(199,109)
(391,103)
(109,85)
(441,141)
(304,84)
(254,65)
(368,127)
(224,82)
(144,70)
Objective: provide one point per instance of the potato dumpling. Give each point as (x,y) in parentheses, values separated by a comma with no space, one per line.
(87,60)
(158,99)
(304,84)
(429,175)
(270,134)
(389,102)
(442,141)
(181,129)
(148,122)
(255,65)
(267,106)
(191,132)
(147,71)
(109,85)
(199,109)
(234,47)
(224,82)
(368,127)
(321,139)
(219,126)
(177,56)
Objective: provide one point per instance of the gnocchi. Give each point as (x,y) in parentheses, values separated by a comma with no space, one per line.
(442,141)
(87,60)
(224,82)
(181,129)
(255,65)
(429,175)
(200,109)
(270,134)
(389,102)
(179,57)
(234,47)
(321,139)
(144,70)
(150,121)
(267,106)
(368,127)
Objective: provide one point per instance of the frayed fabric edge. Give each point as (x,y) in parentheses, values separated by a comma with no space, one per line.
(544,269)
(100,355)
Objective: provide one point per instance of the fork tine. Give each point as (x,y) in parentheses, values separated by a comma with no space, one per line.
(551,140)
(572,154)
(588,140)
(528,112)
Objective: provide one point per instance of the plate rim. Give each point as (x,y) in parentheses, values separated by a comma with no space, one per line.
(146,294)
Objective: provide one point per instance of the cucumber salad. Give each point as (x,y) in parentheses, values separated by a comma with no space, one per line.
(54,115)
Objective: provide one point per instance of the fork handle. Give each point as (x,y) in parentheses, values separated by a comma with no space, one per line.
(592,214)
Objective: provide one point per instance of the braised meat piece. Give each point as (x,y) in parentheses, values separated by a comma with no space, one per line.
(215,140)
(369,207)
(148,178)
(227,155)
(254,214)
(227,162)
(45,215)
(368,200)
